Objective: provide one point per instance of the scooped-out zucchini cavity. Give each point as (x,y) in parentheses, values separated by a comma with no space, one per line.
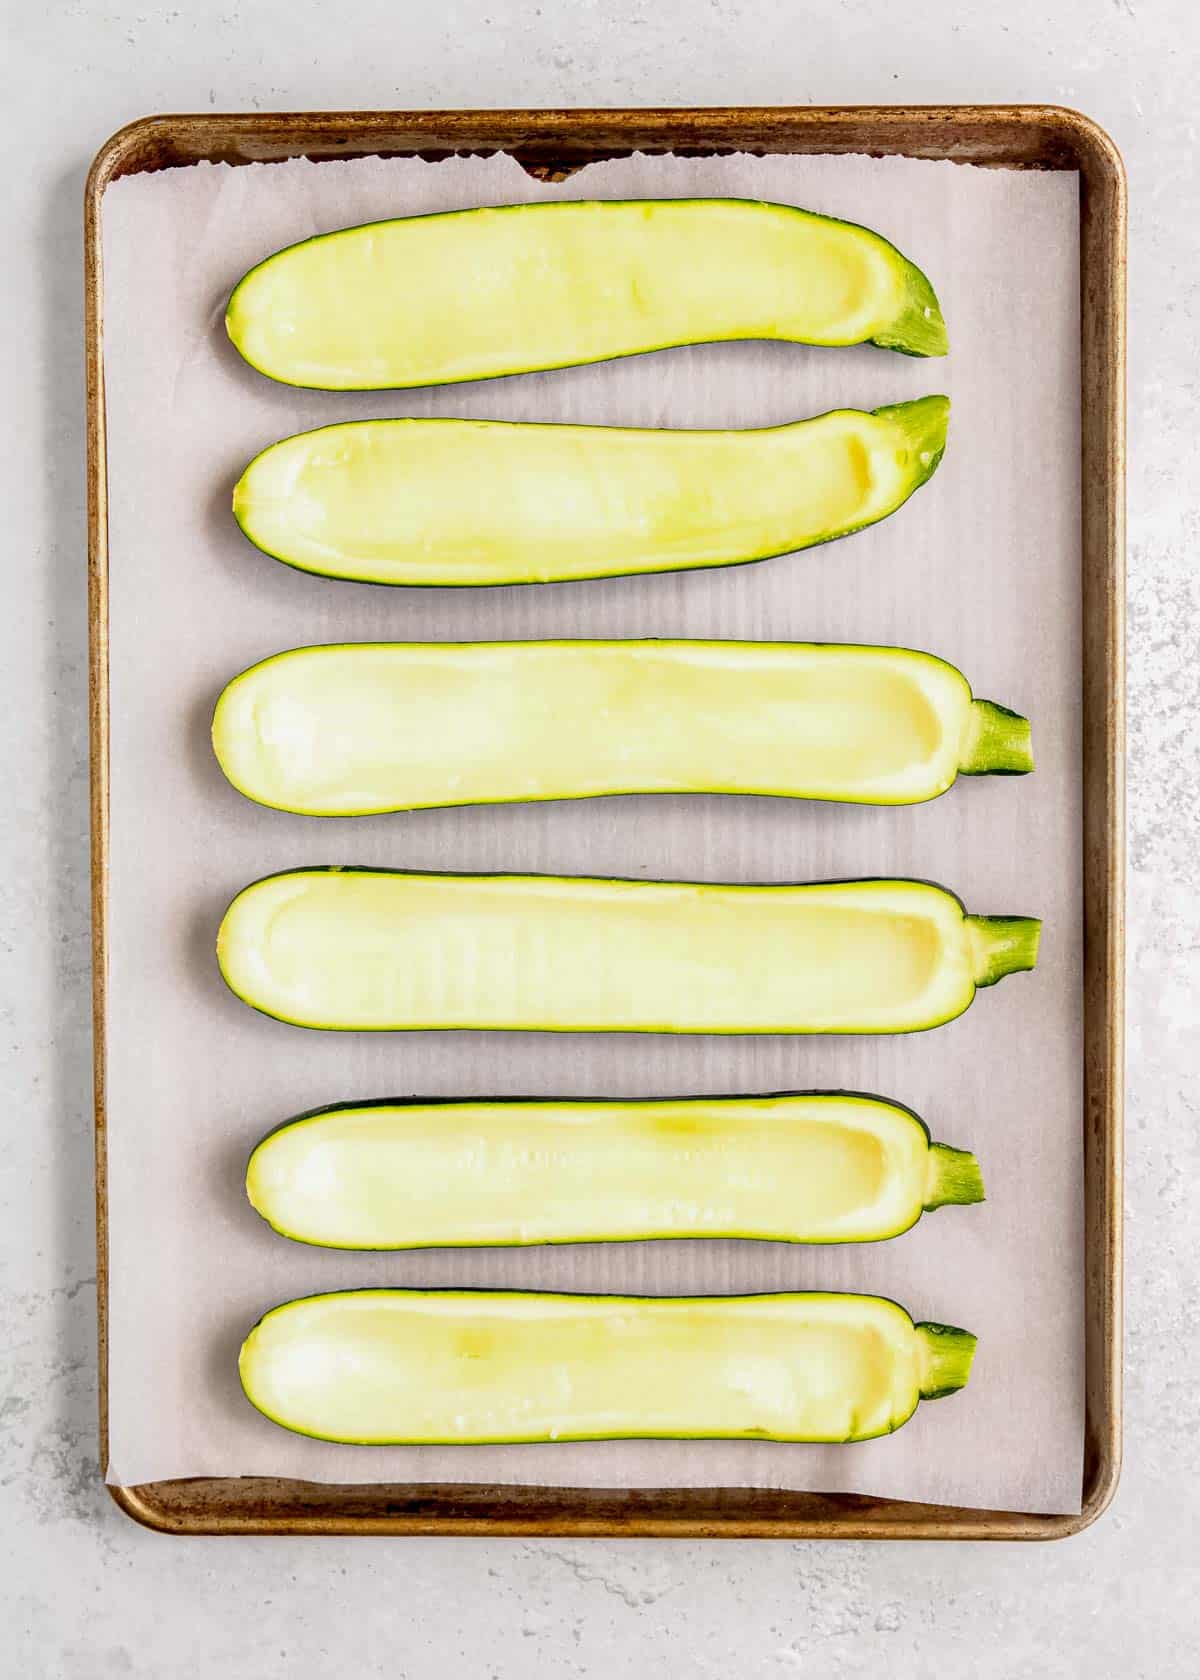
(469,294)
(352,729)
(365,949)
(380,1366)
(469,502)
(812,1168)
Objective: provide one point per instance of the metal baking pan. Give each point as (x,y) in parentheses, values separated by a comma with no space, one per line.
(551,143)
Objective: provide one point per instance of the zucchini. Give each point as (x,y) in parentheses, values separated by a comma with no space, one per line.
(486,501)
(469,294)
(816,1168)
(364,949)
(343,731)
(375,1367)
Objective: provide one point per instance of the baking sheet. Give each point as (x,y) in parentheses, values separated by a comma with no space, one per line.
(982,567)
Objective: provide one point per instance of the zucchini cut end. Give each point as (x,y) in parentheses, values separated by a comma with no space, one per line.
(919,328)
(946,1354)
(954,1178)
(1002,945)
(999,742)
(923,424)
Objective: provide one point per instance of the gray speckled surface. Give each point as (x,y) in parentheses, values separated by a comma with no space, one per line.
(84,1592)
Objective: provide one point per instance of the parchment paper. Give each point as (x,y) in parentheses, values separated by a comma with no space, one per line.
(981,566)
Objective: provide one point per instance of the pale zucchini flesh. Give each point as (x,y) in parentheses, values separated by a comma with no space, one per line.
(425,300)
(390,1366)
(380,949)
(470,502)
(806,1168)
(347,730)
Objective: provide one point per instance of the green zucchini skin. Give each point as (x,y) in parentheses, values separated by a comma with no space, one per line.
(396,304)
(814,1167)
(346,730)
(645,1368)
(449,503)
(645,936)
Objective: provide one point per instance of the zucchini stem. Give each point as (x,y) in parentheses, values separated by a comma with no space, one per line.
(945,1358)
(923,424)
(953,1178)
(998,742)
(919,328)
(1002,945)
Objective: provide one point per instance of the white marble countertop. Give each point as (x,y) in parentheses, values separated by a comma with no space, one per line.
(85,1592)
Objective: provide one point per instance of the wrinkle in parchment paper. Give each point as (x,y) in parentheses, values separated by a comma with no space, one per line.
(981,567)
